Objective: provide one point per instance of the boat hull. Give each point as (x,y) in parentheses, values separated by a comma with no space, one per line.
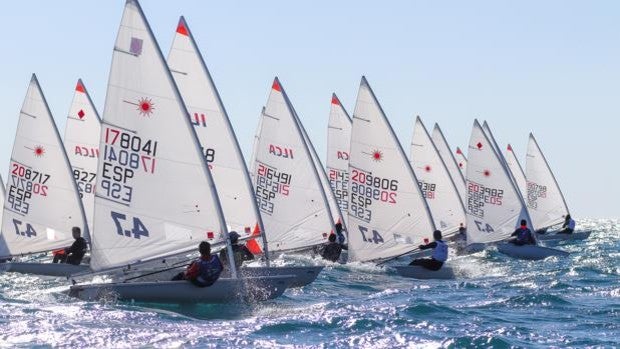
(418,272)
(303,276)
(578,235)
(223,291)
(529,252)
(46,269)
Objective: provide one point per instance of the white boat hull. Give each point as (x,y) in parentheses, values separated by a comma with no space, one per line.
(529,252)
(46,269)
(418,272)
(578,235)
(223,291)
(302,275)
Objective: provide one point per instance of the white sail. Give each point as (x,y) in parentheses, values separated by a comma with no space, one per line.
(338,142)
(288,189)
(334,208)
(387,214)
(81,141)
(545,201)
(461,160)
(446,155)
(155,195)
(494,205)
(489,134)
(3,249)
(42,202)
(516,170)
(435,182)
(215,133)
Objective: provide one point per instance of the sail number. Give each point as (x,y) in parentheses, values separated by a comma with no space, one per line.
(270,183)
(373,237)
(534,192)
(29,232)
(478,196)
(25,182)
(137,230)
(367,189)
(339,182)
(428,189)
(85,181)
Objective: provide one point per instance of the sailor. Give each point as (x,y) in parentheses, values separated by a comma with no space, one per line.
(569,225)
(440,253)
(340,236)
(241,253)
(332,250)
(74,253)
(204,271)
(523,235)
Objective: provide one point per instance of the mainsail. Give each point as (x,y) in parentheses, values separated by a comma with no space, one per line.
(435,182)
(461,160)
(81,141)
(516,170)
(545,200)
(494,205)
(155,195)
(215,133)
(289,192)
(387,214)
(338,142)
(448,158)
(42,202)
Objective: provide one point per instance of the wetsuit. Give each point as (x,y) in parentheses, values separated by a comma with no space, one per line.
(440,255)
(568,227)
(203,272)
(240,253)
(523,237)
(73,254)
(331,251)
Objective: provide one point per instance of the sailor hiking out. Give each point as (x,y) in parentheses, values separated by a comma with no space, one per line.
(523,235)
(440,253)
(204,271)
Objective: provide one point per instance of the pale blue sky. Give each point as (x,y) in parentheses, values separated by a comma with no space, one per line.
(550,67)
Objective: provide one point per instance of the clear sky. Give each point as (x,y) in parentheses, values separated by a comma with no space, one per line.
(549,67)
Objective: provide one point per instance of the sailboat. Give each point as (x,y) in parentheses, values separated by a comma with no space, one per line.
(288,188)
(42,204)
(495,206)
(545,200)
(516,170)
(435,181)
(222,152)
(81,142)
(461,160)
(338,141)
(448,158)
(388,215)
(155,195)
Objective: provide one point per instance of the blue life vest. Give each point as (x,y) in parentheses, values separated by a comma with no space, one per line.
(209,271)
(525,235)
(440,253)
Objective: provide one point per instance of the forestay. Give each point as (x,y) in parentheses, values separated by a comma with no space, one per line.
(516,170)
(215,133)
(81,141)
(448,158)
(42,202)
(494,205)
(544,197)
(461,160)
(435,182)
(155,195)
(387,214)
(338,142)
(289,192)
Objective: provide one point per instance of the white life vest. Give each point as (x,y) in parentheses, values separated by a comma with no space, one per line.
(440,253)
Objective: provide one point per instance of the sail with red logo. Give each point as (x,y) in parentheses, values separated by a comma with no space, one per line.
(338,142)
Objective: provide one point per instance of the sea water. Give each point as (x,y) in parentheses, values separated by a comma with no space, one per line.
(495,301)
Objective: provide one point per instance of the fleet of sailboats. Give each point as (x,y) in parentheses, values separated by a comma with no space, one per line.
(162,170)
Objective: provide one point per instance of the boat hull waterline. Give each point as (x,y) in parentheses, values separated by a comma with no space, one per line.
(418,272)
(529,252)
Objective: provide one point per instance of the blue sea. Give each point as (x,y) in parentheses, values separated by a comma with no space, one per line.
(495,302)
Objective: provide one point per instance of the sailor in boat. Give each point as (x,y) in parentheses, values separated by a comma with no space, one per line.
(523,235)
(339,234)
(440,253)
(332,249)
(241,253)
(204,271)
(569,225)
(74,253)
